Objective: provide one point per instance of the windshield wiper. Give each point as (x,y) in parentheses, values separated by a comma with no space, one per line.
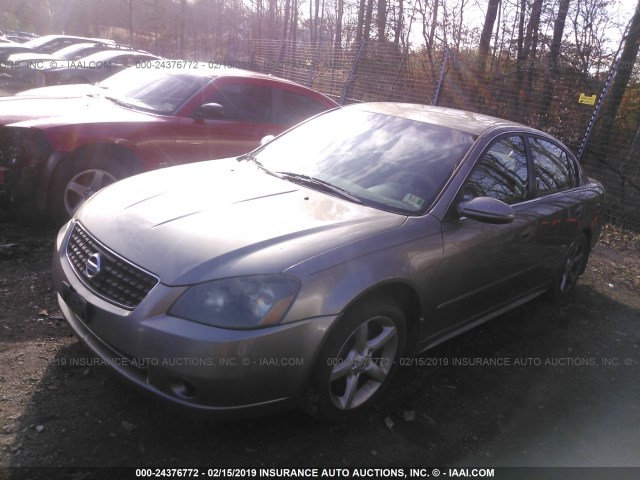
(135,105)
(316,183)
(251,158)
(120,102)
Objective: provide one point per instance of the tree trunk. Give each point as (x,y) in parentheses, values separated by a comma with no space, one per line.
(359,27)
(554,53)
(398,30)
(339,13)
(487,31)
(382,19)
(610,108)
(434,22)
(316,22)
(367,20)
(294,21)
(285,22)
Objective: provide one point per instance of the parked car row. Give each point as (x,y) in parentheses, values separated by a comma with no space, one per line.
(45,44)
(298,270)
(307,272)
(28,71)
(78,60)
(16,36)
(58,145)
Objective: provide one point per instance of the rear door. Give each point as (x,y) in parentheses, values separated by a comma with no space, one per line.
(557,200)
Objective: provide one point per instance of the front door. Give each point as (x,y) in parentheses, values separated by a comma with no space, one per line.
(487,265)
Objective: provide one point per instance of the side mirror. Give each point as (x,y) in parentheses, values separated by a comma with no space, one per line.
(209,110)
(266,139)
(487,210)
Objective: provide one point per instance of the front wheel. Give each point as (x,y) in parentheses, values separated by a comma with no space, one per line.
(77,179)
(358,361)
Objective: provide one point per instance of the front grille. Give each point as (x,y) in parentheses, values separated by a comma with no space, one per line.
(118,281)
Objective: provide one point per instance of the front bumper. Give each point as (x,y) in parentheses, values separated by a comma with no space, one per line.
(190,365)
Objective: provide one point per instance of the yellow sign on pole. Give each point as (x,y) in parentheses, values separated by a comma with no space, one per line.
(587,100)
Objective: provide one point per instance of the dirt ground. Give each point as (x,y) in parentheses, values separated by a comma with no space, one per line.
(566,393)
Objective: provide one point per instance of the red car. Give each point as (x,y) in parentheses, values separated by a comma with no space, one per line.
(59,145)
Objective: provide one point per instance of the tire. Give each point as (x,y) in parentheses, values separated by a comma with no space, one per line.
(572,267)
(358,361)
(76,179)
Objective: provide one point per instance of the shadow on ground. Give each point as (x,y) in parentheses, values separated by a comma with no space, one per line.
(545,385)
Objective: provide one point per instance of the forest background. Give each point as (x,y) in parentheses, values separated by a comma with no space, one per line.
(568,67)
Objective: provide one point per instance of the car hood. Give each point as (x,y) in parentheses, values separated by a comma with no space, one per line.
(223,218)
(41,111)
(62,91)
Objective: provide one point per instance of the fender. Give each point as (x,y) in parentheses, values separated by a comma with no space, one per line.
(55,158)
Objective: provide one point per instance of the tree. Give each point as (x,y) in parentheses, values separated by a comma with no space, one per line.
(554,54)
(397,31)
(338,30)
(382,19)
(485,36)
(625,69)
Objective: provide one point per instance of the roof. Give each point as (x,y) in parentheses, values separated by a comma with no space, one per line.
(470,122)
(39,41)
(210,69)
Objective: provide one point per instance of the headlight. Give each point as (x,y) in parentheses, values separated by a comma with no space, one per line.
(239,303)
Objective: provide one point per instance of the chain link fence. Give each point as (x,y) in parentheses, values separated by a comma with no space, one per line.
(554,97)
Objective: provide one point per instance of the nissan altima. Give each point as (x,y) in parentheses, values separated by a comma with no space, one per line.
(304,272)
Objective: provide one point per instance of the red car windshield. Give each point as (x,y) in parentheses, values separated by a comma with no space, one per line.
(157,91)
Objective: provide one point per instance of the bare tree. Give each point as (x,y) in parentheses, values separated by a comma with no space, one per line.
(618,88)
(368,14)
(362,6)
(285,22)
(487,31)
(429,24)
(554,54)
(382,19)
(338,29)
(397,31)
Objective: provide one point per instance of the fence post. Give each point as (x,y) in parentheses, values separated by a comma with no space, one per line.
(346,91)
(313,68)
(279,57)
(596,111)
(443,71)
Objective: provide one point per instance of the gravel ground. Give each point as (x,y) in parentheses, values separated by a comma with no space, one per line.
(564,394)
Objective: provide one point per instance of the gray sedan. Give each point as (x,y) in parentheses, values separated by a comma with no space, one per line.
(306,272)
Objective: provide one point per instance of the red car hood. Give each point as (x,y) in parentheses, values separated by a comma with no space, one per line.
(62,91)
(30,111)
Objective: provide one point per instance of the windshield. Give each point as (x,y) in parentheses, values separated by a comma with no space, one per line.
(39,41)
(105,55)
(384,161)
(71,51)
(157,91)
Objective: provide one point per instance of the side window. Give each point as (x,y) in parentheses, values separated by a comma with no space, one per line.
(57,45)
(554,168)
(501,173)
(297,107)
(249,103)
(128,60)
